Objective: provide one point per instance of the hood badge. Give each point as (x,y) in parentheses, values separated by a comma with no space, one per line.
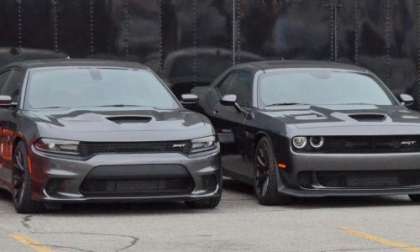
(408,143)
(178,145)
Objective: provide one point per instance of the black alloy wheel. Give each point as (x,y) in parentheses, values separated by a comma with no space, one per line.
(22,182)
(266,181)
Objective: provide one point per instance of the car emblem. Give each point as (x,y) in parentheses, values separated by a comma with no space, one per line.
(178,146)
(408,143)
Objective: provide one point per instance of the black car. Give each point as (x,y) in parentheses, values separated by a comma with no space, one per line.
(313,129)
(94,131)
(190,67)
(11,54)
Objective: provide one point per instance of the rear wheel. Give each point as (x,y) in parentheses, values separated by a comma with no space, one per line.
(22,182)
(265,184)
(208,203)
(415,198)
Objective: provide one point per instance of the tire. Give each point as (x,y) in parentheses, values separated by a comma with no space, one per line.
(22,182)
(265,180)
(209,203)
(415,198)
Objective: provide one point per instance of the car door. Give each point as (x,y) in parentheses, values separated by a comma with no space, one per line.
(231,124)
(4,174)
(8,123)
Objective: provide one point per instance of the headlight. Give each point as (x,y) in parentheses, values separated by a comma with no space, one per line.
(58,146)
(299,142)
(316,142)
(203,144)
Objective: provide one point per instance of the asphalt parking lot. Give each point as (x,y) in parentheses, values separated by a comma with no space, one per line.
(238,224)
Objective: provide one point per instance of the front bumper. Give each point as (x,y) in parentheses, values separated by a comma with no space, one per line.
(58,179)
(322,175)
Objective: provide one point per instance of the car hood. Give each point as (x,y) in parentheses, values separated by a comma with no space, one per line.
(348,119)
(121,125)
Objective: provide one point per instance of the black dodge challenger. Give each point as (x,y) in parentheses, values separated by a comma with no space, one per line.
(311,129)
(89,131)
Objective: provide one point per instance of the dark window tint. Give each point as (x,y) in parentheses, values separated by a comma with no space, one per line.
(13,85)
(242,87)
(225,86)
(3,78)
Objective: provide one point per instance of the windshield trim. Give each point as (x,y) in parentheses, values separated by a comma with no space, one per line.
(25,88)
(394,101)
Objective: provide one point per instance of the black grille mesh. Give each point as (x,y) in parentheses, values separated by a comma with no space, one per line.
(371,144)
(137,180)
(360,179)
(91,148)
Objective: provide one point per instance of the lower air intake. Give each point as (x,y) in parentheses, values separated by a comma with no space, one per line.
(138,180)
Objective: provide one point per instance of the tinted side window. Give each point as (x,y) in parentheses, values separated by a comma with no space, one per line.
(3,78)
(225,86)
(242,87)
(13,86)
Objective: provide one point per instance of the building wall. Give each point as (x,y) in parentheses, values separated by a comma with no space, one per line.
(178,37)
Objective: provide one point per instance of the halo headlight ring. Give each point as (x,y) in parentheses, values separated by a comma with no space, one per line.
(300,142)
(316,142)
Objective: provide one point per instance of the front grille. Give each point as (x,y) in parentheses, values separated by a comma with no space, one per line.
(137,180)
(359,179)
(137,187)
(92,148)
(371,144)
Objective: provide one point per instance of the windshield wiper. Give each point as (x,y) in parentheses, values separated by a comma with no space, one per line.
(285,104)
(53,107)
(119,105)
(356,103)
(130,105)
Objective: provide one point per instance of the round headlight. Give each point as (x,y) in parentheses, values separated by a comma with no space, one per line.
(316,142)
(299,142)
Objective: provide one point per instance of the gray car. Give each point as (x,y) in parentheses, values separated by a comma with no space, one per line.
(313,129)
(83,130)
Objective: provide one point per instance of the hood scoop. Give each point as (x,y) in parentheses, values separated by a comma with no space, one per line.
(368,117)
(130,119)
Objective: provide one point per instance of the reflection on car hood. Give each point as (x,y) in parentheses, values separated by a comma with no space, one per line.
(121,125)
(351,119)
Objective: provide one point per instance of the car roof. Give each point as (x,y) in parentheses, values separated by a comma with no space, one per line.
(285,64)
(28,64)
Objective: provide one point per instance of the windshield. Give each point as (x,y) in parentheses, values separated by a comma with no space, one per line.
(321,87)
(76,87)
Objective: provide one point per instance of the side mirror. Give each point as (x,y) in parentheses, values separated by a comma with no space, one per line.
(232,100)
(406,99)
(229,100)
(6,101)
(189,99)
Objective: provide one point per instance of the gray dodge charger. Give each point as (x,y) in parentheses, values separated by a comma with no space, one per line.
(79,130)
(313,129)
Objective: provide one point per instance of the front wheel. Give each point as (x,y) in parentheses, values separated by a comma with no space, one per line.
(265,175)
(22,182)
(415,198)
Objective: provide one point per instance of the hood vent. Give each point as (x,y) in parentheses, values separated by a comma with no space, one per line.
(368,117)
(130,119)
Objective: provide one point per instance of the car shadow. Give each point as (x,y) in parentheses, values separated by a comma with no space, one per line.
(4,195)
(144,208)
(326,202)
(150,208)
(230,186)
